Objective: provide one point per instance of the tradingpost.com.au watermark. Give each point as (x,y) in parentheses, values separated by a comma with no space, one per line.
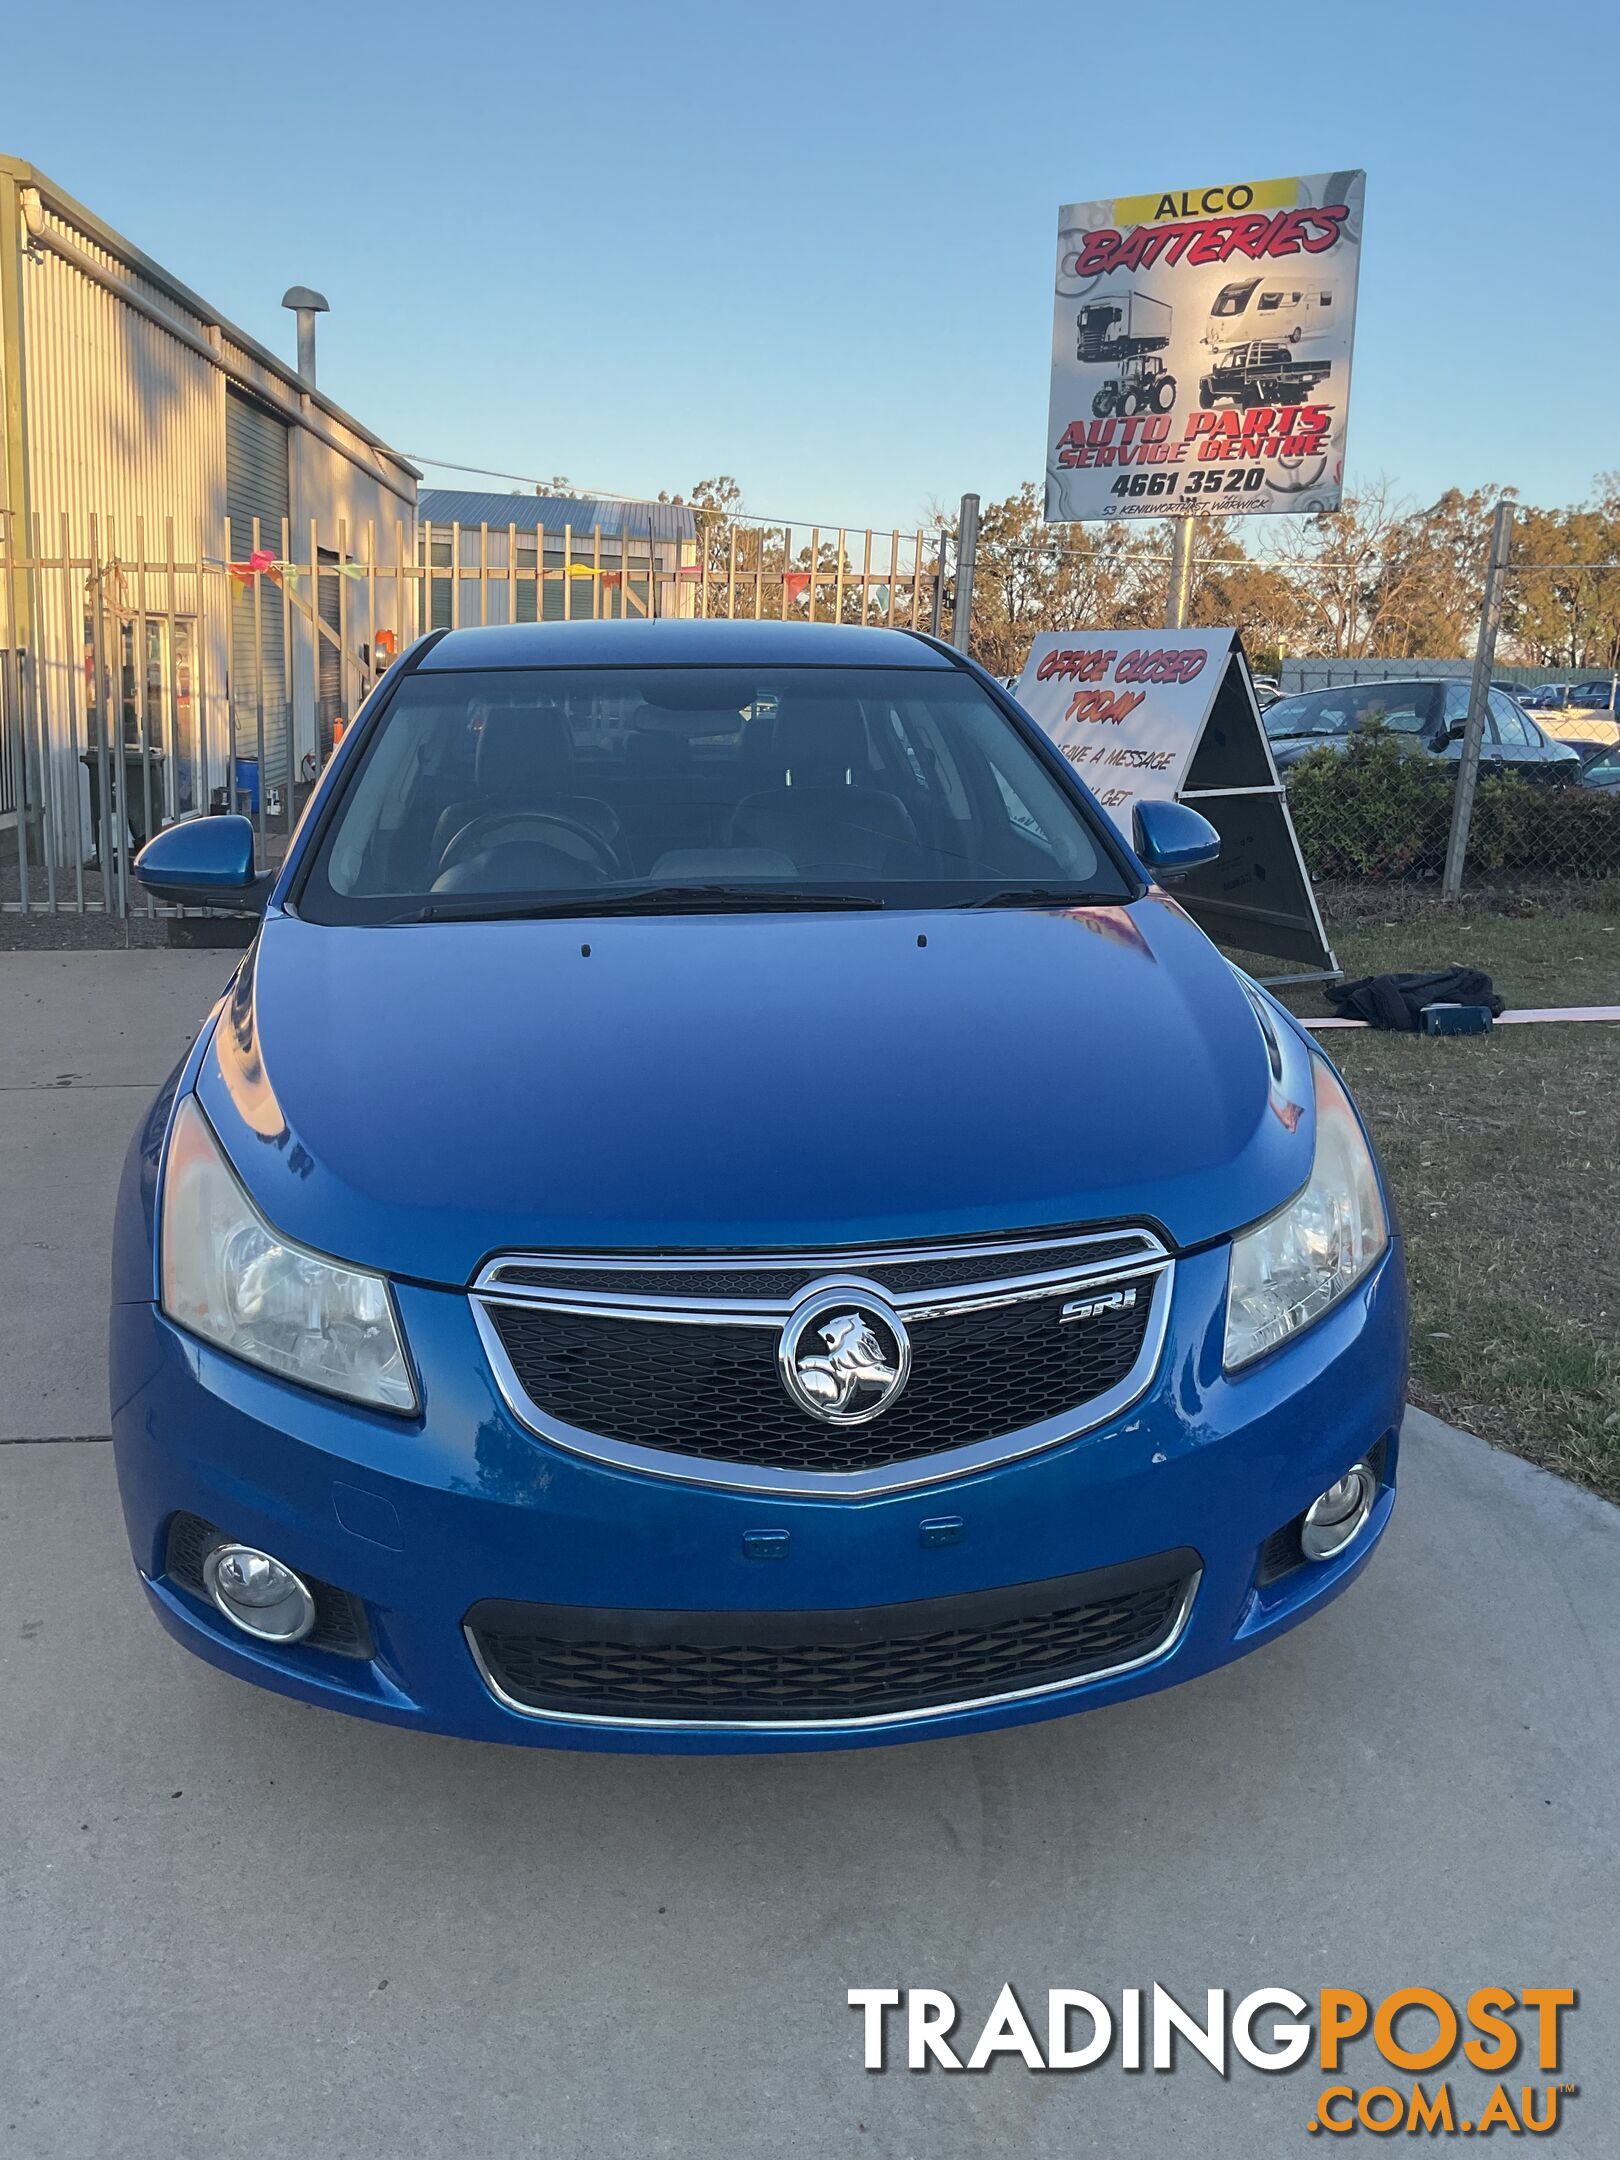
(1351,2040)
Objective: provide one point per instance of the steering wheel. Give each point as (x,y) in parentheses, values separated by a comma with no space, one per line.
(503,828)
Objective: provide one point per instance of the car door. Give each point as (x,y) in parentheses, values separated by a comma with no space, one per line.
(1455,711)
(1519,745)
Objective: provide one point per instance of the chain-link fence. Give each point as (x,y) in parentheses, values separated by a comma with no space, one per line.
(1372,814)
(1453,777)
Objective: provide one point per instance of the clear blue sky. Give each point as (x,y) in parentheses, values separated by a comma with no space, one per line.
(813,245)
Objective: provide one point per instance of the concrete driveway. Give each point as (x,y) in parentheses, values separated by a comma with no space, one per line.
(234,1924)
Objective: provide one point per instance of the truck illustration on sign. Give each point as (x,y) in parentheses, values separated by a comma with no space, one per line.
(1261,373)
(1127,333)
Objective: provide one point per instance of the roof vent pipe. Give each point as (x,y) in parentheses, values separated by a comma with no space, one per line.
(306,305)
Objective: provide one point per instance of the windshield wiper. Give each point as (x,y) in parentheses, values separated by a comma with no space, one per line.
(1044,896)
(635,900)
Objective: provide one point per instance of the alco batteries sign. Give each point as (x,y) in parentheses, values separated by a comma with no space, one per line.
(1201,349)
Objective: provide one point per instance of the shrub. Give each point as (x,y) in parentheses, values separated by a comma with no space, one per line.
(1382,811)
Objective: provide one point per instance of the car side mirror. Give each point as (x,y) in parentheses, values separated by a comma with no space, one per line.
(204,862)
(1172,839)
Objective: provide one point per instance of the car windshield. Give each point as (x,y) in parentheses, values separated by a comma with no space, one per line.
(1233,299)
(1405,707)
(652,788)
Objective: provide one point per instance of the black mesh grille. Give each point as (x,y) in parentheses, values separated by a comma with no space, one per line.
(1280,1554)
(714,1392)
(340,1620)
(940,1271)
(773,1666)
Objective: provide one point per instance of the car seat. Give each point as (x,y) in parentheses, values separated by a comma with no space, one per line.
(822,809)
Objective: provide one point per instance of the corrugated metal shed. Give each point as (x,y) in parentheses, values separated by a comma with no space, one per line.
(550,513)
(265,372)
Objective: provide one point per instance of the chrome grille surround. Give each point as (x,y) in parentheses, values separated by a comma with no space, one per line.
(1005,1272)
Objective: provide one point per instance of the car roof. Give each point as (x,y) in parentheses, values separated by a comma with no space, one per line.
(1378,682)
(680,644)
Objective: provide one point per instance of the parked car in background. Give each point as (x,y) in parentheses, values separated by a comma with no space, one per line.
(1267,690)
(1600,767)
(1602,694)
(1576,713)
(1429,715)
(621,1266)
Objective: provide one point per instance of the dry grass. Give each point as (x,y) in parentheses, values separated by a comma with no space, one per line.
(1504,1154)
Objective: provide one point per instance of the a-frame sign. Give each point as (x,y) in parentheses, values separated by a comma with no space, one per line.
(1172,714)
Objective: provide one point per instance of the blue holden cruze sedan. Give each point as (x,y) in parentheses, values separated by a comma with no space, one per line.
(724,1209)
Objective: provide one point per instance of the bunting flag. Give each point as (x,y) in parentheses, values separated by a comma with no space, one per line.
(796,583)
(262,563)
(244,572)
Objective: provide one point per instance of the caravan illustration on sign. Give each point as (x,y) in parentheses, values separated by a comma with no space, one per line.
(1201,350)
(1284,312)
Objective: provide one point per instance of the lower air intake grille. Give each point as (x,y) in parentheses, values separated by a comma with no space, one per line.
(764,1667)
(340,1620)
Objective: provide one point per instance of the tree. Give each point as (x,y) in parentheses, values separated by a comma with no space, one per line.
(1336,567)
(1425,600)
(1032,576)
(1232,589)
(1564,603)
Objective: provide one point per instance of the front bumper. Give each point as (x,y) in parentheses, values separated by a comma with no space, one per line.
(425,1520)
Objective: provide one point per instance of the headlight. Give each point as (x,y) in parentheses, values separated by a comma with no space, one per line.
(1288,1270)
(228,1277)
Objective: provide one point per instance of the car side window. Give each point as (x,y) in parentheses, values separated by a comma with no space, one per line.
(1327,713)
(1402,716)
(1457,696)
(1510,723)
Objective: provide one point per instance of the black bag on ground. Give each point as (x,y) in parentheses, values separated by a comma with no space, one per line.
(1397,1001)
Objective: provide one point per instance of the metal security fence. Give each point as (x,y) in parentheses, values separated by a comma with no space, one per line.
(147,677)
(780,572)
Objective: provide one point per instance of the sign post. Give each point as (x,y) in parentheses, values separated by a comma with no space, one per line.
(967,556)
(1490,618)
(1172,715)
(1184,533)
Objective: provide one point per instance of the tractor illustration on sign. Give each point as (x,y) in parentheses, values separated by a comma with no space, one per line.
(1127,333)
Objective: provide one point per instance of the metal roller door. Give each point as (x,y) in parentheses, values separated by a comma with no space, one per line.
(256,486)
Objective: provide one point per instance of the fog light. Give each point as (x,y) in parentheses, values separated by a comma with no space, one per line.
(1334,1518)
(258,1594)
